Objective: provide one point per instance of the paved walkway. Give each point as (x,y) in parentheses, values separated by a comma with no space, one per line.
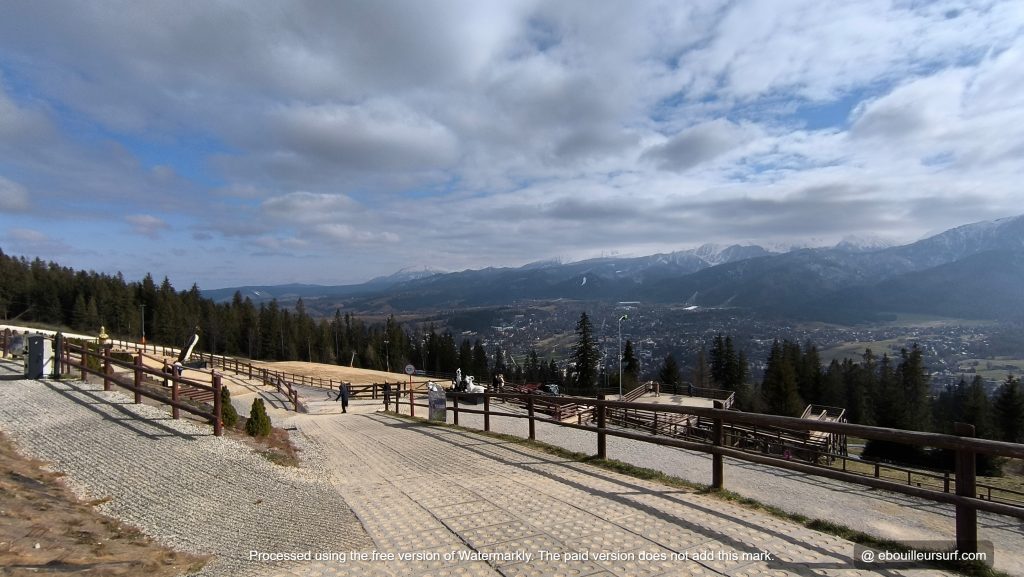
(880,513)
(432,501)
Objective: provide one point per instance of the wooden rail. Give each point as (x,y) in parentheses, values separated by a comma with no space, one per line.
(966,498)
(78,356)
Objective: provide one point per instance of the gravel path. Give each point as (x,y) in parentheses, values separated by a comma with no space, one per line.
(173,479)
(880,513)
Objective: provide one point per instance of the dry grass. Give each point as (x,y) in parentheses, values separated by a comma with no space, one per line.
(46,530)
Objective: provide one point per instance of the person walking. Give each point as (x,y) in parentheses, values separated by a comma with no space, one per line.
(343,396)
(387,396)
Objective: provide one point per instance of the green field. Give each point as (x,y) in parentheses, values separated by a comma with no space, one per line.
(995,368)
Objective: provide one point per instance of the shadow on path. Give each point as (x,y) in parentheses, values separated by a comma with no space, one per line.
(106,408)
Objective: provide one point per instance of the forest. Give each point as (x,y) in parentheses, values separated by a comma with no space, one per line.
(885,391)
(47,294)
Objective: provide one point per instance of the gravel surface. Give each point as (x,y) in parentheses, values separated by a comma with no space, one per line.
(173,479)
(880,513)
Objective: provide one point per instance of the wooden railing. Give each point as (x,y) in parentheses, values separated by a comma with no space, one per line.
(965,496)
(101,364)
(290,380)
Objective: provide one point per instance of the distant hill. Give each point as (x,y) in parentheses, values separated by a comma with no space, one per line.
(972,270)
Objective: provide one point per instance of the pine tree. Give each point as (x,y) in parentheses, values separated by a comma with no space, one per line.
(258,424)
(630,367)
(701,371)
(669,373)
(779,386)
(480,362)
(585,356)
(228,414)
(1009,411)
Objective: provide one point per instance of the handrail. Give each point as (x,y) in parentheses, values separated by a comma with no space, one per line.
(966,497)
(137,385)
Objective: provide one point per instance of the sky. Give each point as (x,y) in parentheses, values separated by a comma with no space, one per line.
(227,143)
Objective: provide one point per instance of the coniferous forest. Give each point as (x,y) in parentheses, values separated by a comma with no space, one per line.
(46,293)
(882,391)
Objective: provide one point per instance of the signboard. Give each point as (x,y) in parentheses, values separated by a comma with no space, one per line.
(409,369)
(438,403)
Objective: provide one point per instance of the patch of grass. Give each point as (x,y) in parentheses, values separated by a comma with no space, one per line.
(276,447)
(970,569)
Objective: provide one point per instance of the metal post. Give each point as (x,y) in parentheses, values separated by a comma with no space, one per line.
(217,423)
(529,411)
(602,443)
(622,318)
(966,479)
(717,464)
(487,412)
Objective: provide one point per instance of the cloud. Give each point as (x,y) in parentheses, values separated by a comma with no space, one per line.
(147,225)
(335,232)
(33,243)
(13,196)
(697,145)
(378,135)
(308,207)
(472,133)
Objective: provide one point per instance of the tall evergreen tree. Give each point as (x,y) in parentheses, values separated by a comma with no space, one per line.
(1009,411)
(480,362)
(669,372)
(701,370)
(630,367)
(585,356)
(779,387)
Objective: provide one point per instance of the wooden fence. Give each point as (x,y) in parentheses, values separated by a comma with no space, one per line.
(965,497)
(101,364)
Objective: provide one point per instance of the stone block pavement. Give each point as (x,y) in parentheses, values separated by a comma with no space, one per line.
(382,496)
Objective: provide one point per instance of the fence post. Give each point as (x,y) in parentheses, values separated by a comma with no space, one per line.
(138,379)
(217,424)
(602,446)
(529,411)
(487,412)
(455,410)
(106,369)
(717,461)
(85,357)
(174,394)
(58,342)
(966,479)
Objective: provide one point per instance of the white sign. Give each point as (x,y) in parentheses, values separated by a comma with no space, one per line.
(409,369)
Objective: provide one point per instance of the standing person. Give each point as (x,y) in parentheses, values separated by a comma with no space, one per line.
(387,396)
(343,396)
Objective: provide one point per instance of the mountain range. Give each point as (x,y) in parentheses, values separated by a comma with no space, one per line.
(972,271)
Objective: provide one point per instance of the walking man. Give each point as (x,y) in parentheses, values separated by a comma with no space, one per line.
(343,396)
(387,396)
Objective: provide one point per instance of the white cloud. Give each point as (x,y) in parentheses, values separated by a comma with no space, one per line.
(470,133)
(309,207)
(13,196)
(146,225)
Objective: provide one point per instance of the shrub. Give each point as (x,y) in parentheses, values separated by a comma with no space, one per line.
(258,424)
(228,414)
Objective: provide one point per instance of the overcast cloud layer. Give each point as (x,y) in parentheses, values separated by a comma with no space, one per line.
(239,142)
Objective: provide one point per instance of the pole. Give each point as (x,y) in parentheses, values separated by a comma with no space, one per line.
(622,318)
(143,325)
(966,486)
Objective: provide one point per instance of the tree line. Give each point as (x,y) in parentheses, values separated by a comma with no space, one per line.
(48,294)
